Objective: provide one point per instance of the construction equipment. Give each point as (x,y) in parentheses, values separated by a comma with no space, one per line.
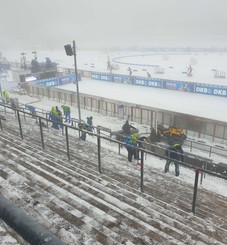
(172,134)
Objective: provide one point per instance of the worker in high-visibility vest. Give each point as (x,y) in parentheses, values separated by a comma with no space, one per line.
(5,96)
(54,117)
(67,112)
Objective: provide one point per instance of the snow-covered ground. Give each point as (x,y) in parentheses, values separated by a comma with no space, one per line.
(193,104)
(175,64)
(211,107)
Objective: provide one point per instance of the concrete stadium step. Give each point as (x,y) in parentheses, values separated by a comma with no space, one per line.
(183,203)
(115,176)
(138,223)
(41,213)
(47,199)
(175,211)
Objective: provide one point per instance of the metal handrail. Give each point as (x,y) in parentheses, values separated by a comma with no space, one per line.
(99,137)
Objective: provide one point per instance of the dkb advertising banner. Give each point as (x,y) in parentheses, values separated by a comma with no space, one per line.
(101,76)
(211,90)
(56,81)
(147,82)
(47,82)
(162,83)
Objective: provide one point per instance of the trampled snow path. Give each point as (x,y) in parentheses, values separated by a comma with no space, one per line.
(82,206)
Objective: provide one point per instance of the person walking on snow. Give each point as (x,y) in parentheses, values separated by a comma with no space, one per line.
(127,128)
(90,127)
(130,143)
(5,96)
(54,116)
(84,132)
(67,113)
(59,116)
(175,153)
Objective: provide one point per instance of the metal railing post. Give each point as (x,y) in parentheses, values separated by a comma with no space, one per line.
(67,142)
(195,190)
(19,121)
(41,131)
(142,171)
(99,155)
(210,151)
(47,116)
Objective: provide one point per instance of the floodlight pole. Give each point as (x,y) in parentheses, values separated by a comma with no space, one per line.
(76,80)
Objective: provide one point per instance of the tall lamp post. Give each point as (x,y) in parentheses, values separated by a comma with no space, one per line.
(72,51)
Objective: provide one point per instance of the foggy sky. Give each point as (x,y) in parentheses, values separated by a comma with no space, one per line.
(53,23)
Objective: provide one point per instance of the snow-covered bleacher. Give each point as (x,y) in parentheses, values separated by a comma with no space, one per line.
(80,205)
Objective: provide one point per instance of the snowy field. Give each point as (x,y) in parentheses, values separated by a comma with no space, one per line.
(193,104)
(174,64)
(211,107)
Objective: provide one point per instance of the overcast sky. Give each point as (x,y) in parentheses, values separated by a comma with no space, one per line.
(35,24)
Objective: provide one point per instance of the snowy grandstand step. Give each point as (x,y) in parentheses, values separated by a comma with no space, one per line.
(166,197)
(44,215)
(88,194)
(35,150)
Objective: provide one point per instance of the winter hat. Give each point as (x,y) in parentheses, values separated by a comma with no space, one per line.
(177,147)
